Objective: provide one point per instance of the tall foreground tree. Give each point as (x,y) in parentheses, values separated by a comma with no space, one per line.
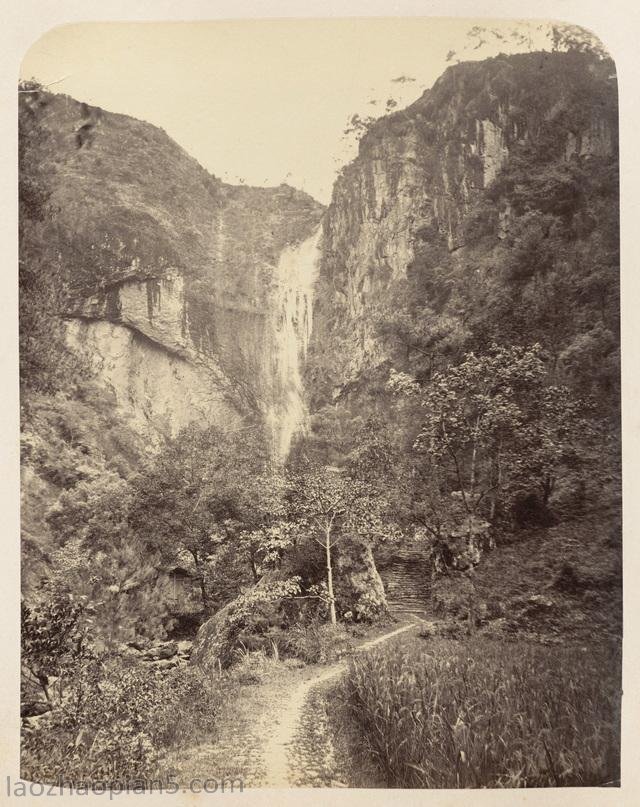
(332,507)
(200,494)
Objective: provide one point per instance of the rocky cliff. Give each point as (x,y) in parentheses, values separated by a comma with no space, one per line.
(492,198)
(176,281)
(424,172)
(184,300)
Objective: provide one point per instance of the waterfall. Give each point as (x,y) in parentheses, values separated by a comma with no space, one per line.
(291,322)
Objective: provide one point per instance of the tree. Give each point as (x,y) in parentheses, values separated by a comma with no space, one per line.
(99,559)
(52,636)
(264,531)
(95,512)
(527,36)
(330,507)
(492,427)
(198,496)
(574,37)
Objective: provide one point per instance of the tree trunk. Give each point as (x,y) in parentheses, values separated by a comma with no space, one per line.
(203,592)
(496,492)
(332,602)
(201,581)
(474,455)
(43,680)
(254,568)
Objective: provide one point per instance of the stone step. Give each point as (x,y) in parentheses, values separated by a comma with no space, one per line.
(406,579)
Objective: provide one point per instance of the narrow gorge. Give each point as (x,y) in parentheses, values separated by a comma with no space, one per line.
(261,434)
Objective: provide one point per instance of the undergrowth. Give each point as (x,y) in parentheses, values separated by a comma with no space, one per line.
(115,721)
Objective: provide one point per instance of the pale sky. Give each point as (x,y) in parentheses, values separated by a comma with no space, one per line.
(263,101)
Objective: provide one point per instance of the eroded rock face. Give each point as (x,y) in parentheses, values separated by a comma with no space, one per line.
(181,270)
(168,365)
(174,350)
(216,639)
(136,339)
(288,331)
(156,308)
(158,391)
(359,583)
(420,172)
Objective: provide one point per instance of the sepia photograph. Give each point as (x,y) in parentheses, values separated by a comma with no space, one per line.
(320,406)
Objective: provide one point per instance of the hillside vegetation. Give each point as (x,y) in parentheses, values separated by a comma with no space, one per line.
(483,380)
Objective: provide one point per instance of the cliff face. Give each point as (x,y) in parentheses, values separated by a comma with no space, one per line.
(421,175)
(173,276)
(191,298)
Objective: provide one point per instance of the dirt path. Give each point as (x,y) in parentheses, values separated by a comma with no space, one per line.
(298,752)
(274,734)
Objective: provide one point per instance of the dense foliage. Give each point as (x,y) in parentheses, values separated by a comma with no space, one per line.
(44,361)
(114,720)
(482,384)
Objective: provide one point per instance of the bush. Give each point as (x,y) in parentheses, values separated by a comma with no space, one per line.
(114,720)
(318,643)
(484,714)
(445,629)
(453,596)
(251,667)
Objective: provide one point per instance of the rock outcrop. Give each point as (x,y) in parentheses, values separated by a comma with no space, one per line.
(359,583)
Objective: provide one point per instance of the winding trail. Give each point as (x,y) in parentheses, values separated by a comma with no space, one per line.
(289,761)
(276,734)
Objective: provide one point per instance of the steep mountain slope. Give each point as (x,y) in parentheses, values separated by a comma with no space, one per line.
(485,213)
(170,272)
(183,300)
(508,156)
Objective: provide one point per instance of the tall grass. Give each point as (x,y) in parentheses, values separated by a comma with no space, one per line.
(483,714)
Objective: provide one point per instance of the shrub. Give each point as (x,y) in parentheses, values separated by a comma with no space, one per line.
(317,643)
(453,596)
(483,714)
(444,629)
(115,719)
(251,667)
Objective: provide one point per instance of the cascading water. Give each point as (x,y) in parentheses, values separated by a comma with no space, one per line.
(291,330)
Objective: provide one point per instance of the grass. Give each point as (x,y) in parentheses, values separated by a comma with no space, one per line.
(318,643)
(483,714)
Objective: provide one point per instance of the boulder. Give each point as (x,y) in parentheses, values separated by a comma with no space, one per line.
(163,650)
(218,636)
(214,642)
(359,587)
